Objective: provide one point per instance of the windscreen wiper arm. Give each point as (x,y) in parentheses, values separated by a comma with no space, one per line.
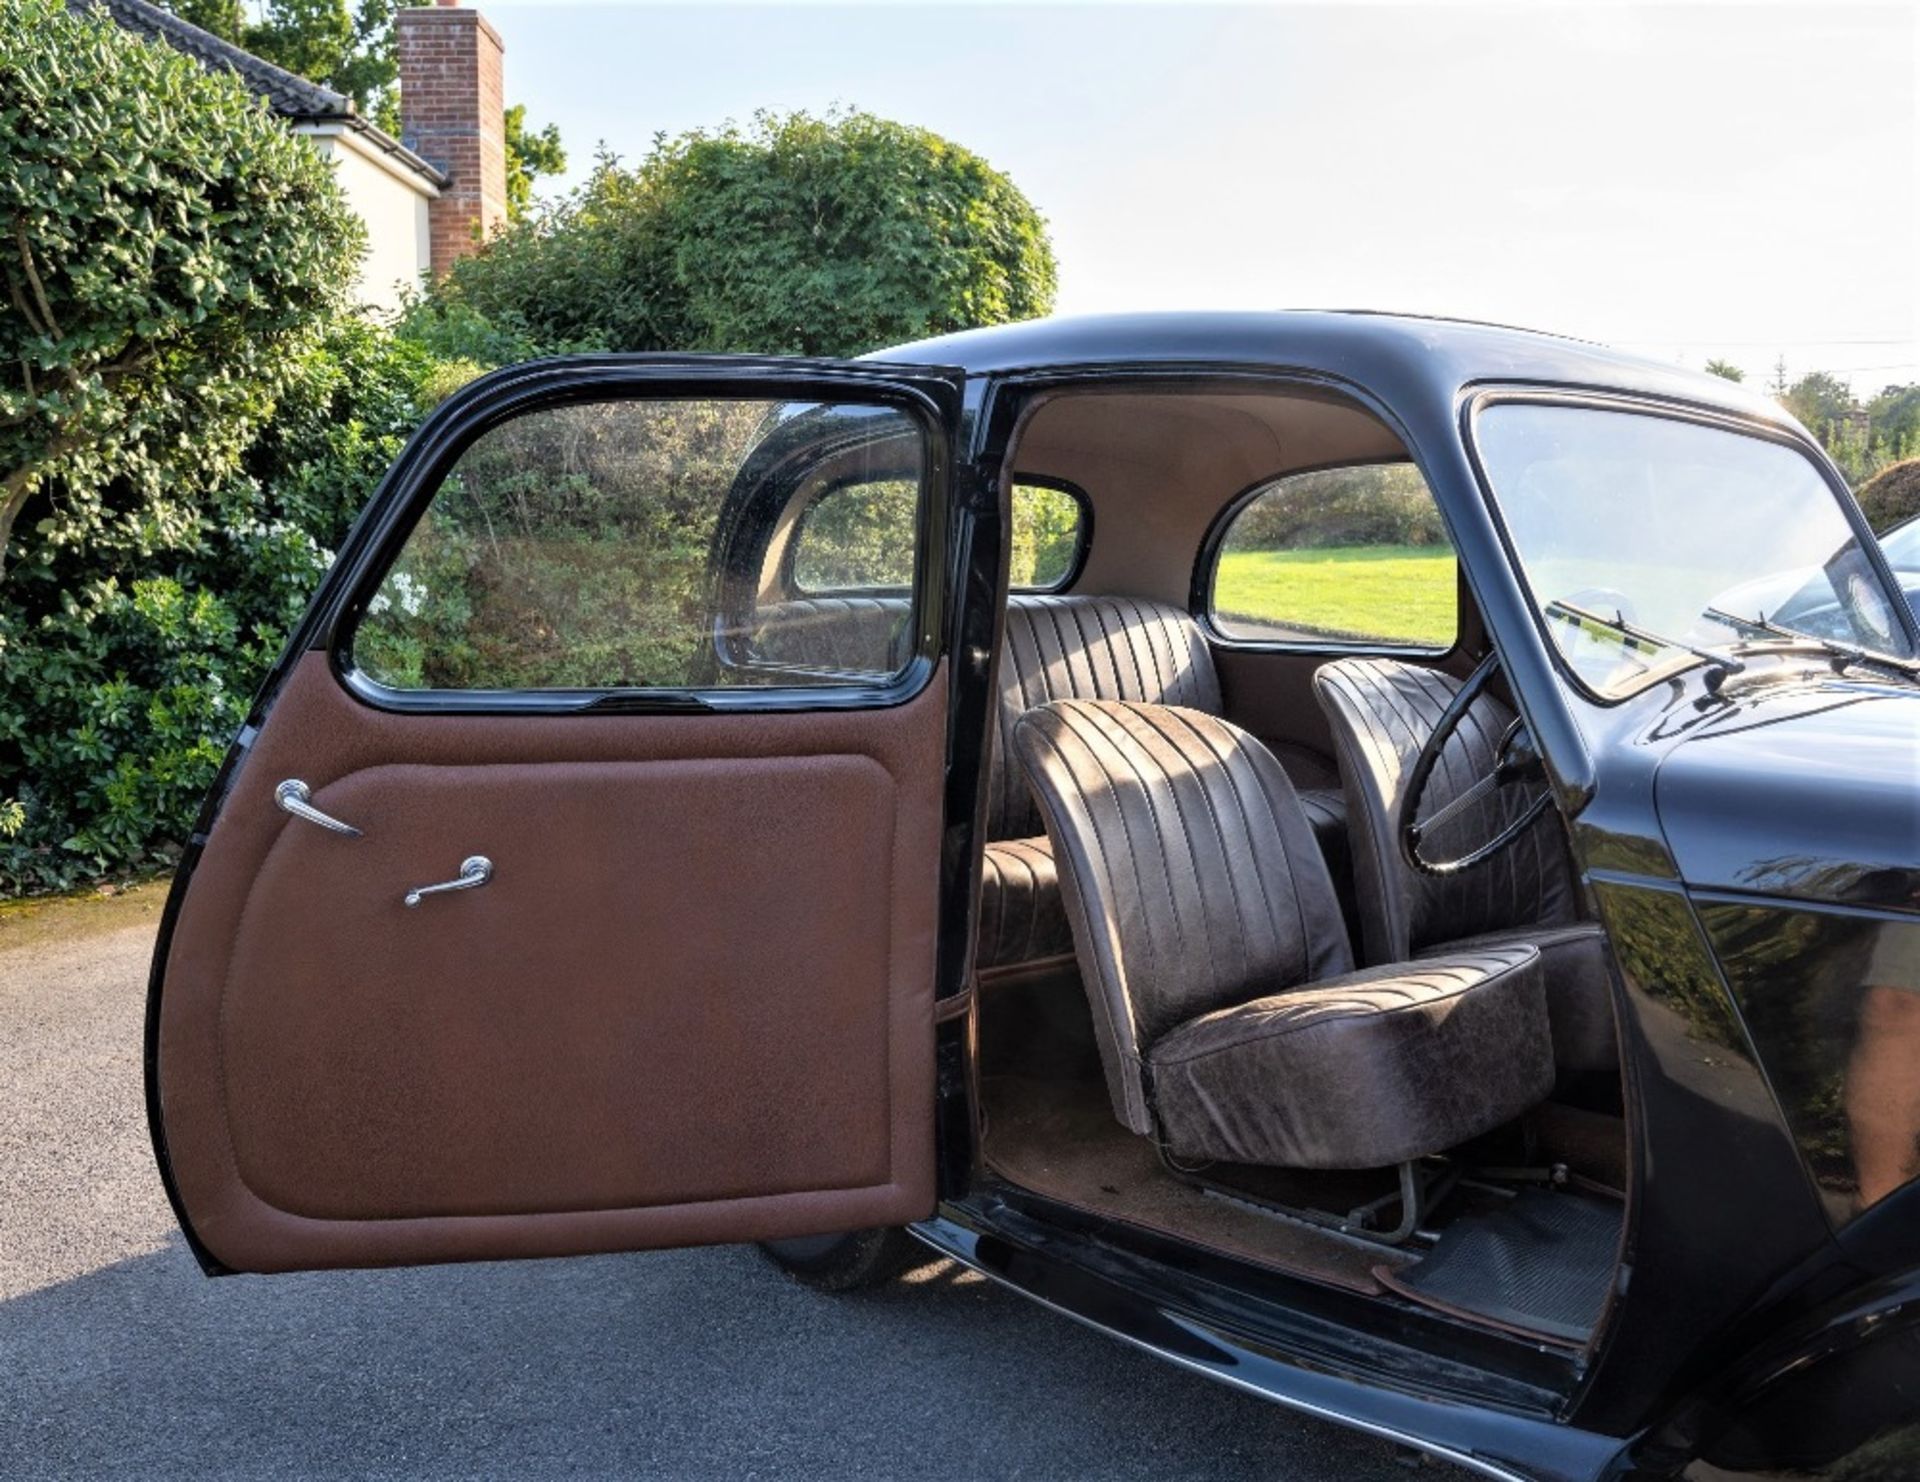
(1719,666)
(1843,654)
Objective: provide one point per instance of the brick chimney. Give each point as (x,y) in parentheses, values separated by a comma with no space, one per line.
(451,115)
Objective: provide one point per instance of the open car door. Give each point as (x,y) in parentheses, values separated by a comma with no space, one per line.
(575,882)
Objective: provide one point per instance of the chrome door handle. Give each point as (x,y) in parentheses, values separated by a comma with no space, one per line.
(475,871)
(292,796)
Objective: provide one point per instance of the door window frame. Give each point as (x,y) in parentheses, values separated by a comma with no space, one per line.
(928,394)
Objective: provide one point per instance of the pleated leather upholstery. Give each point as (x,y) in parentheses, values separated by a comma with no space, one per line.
(1022,918)
(864,634)
(1230,1022)
(1382,712)
(1191,878)
(1370,1069)
(1088,648)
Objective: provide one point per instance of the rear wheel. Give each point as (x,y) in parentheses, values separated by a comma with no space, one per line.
(846,1263)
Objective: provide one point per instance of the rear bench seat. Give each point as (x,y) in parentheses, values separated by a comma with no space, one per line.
(1055,648)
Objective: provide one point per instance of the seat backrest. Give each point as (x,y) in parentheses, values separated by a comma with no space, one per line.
(1382,712)
(1189,871)
(856,633)
(1088,648)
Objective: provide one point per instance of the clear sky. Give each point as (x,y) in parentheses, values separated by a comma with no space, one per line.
(1683,180)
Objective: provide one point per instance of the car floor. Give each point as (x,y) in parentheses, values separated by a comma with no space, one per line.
(1530,1261)
(1059,1138)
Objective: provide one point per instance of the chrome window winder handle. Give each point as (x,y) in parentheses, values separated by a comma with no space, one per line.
(292,796)
(475,871)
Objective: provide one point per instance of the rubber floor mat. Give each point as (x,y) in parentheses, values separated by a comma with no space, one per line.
(1540,1263)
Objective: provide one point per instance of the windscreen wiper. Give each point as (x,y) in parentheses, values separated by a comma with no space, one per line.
(1844,655)
(1719,666)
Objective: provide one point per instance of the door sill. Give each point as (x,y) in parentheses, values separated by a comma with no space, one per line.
(1495,1425)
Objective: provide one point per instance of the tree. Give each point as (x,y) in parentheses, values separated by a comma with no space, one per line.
(1726,370)
(1895,418)
(351,49)
(1820,401)
(797,235)
(529,155)
(168,245)
(226,18)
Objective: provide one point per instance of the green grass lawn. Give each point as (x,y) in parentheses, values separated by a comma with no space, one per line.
(1404,593)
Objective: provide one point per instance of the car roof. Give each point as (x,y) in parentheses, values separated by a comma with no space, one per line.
(1359,345)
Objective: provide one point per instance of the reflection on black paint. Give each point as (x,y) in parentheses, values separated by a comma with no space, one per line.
(1842,1050)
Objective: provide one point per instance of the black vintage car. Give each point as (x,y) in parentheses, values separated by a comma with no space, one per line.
(1299,840)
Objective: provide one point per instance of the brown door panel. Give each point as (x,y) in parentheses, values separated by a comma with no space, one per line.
(694,1002)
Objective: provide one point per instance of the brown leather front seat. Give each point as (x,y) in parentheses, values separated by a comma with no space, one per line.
(1082,648)
(1382,713)
(1230,1022)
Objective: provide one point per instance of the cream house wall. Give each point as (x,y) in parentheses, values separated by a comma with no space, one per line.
(391,200)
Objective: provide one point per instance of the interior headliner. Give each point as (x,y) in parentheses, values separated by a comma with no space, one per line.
(1160,463)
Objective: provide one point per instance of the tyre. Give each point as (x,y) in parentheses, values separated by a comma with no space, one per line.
(846,1263)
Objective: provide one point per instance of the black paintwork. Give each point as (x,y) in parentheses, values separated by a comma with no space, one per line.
(1731,1242)
(1739,846)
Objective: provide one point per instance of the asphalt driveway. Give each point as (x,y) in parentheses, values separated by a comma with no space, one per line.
(118,1358)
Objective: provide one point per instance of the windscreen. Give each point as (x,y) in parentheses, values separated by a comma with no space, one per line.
(1648,540)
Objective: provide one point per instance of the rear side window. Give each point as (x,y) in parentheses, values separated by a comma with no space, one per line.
(1049,535)
(857,538)
(1355,556)
(576,546)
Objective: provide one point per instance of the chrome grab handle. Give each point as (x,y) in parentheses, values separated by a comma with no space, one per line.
(292,796)
(475,871)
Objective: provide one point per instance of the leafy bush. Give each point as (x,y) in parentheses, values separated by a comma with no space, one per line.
(1381,504)
(126,672)
(1892,496)
(168,246)
(567,547)
(799,235)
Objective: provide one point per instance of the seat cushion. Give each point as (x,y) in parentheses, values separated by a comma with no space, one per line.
(1578,985)
(1362,1071)
(1022,918)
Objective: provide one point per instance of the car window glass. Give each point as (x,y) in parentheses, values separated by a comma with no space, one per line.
(1690,532)
(584,545)
(1049,531)
(1353,556)
(858,537)
(1902,546)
